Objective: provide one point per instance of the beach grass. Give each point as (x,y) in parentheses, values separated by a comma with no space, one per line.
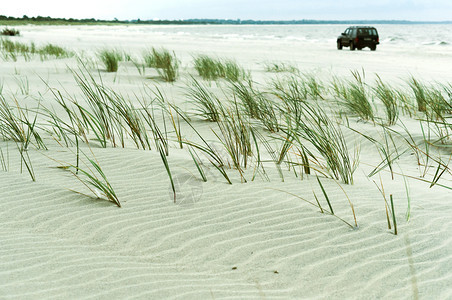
(235,134)
(249,99)
(51,50)
(326,137)
(11,50)
(355,98)
(164,61)
(280,67)
(110,59)
(210,68)
(207,67)
(23,84)
(208,106)
(93,177)
(10,32)
(256,104)
(420,94)
(206,148)
(291,89)
(314,86)
(16,126)
(389,98)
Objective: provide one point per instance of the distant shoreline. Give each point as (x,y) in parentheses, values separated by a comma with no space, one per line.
(4,20)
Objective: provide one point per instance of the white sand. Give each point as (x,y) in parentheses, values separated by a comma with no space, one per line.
(250,240)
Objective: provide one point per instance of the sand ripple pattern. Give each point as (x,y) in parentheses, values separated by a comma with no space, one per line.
(242,241)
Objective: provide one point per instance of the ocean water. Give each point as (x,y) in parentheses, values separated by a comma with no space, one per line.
(414,35)
(425,35)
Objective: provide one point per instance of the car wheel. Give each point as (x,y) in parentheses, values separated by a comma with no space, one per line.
(352,46)
(360,48)
(373,48)
(339,45)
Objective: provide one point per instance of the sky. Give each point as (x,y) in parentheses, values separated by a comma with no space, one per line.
(413,10)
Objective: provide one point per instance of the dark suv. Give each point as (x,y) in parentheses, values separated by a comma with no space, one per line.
(358,37)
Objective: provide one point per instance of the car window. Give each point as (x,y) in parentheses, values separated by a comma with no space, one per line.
(364,31)
(367,31)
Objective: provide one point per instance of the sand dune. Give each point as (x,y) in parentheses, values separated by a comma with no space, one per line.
(254,240)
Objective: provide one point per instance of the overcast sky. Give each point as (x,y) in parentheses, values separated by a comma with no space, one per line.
(415,10)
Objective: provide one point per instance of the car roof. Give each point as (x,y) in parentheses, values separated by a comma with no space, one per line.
(361,27)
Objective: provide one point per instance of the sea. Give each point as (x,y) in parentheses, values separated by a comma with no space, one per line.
(413,35)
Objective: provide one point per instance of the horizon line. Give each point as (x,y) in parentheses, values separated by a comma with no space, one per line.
(219,20)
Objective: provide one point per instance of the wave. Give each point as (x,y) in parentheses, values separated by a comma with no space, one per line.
(393,39)
(436,43)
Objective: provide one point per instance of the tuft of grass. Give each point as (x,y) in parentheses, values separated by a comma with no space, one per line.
(355,98)
(248,97)
(164,61)
(315,127)
(171,113)
(389,98)
(291,89)
(16,126)
(256,104)
(10,32)
(314,86)
(405,102)
(160,140)
(280,67)
(110,59)
(207,104)
(292,92)
(96,181)
(212,68)
(53,51)
(100,118)
(207,67)
(63,130)
(230,70)
(435,102)
(439,102)
(236,135)
(420,94)
(110,117)
(11,50)
(338,87)
(128,120)
(297,87)
(388,156)
(214,158)
(438,113)
(23,84)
